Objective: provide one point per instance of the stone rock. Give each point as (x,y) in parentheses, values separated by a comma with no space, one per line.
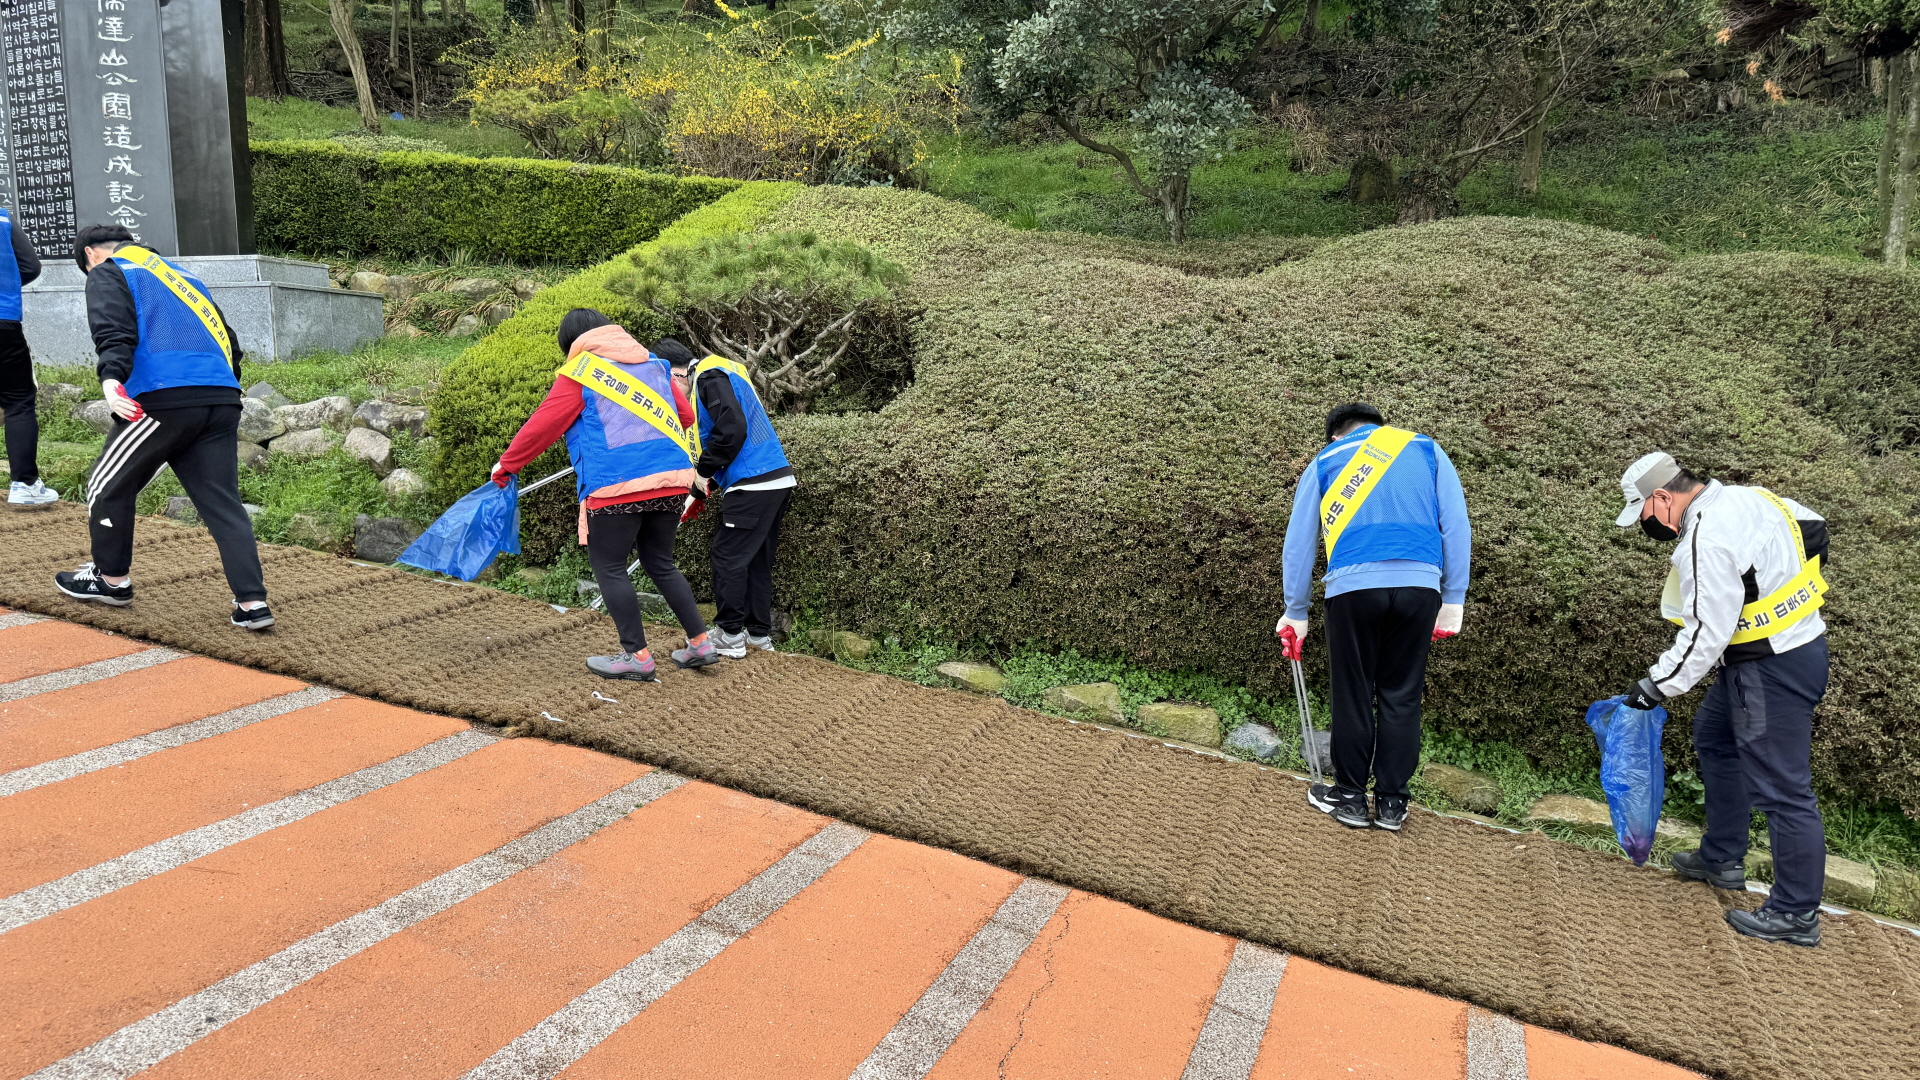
(1321,746)
(1677,830)
(1572,810)
(265,392)
(382,539)
(403,483)
(1256,739)
(95,414)
(708,612)
(405,331)
(367,281)
(252,455)
(466,326)
(1475,791)
(979,678)
(252,510)
(329,412)
(401,288)
(258,422)
(1187,723)
(472,288)
(1850,884)
(58,393)
(495,314)
(180,508)
(527,288)
(1092,701)
(386,418)
(314,531)
(368,445)
(311,443)
(842,645)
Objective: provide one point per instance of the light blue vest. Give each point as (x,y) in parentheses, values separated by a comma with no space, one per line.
(9,271)
(762,453)
(175,348)
(610,445)
(1401,519)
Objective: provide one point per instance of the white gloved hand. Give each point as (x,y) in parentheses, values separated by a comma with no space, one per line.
(1299,628)
(122,406)
(1448,624)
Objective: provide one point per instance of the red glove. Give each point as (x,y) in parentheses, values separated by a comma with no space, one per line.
(1290,643)
(120,402)
(500,476)
(695,504)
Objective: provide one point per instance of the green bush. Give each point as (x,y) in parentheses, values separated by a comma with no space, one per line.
(491,389)
(1100,454)
(323,199)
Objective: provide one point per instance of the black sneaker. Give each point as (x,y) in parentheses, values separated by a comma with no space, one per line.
(251,618)
(1351,812)
(1770,925)
(1689,864)
(87,584)
(1389,814)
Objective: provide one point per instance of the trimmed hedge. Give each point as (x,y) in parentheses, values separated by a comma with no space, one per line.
(1100,453)
(322,198)
(488,392)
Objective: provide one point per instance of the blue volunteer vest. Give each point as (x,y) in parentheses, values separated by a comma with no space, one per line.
(175,347)
(1401,518)
(609,445)
(763,452)
(9,271)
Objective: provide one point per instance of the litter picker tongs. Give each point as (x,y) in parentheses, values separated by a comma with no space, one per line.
(1307,749)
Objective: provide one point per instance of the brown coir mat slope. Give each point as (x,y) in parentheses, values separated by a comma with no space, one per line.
(1546,932)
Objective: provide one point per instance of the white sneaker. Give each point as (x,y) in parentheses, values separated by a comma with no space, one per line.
(731,646)
(34,494)
(764,644)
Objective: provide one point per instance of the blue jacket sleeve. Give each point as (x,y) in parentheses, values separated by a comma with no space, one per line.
(1456,533)
(1303,544)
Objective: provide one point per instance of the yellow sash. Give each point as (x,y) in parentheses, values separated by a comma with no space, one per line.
(1802,595)
(179,286)
(605,378)
(722,363)
(1362,475)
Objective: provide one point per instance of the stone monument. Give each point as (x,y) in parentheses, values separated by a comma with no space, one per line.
(131,112)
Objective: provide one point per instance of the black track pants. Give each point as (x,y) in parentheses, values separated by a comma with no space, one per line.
(611,538)
(199,442)
(17,400)
(743,547)
(1378,640)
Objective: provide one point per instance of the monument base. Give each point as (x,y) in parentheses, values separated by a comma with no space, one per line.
(280,308)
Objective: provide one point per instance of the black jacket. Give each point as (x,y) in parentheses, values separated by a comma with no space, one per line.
(24,254)
(721,445)
(116,333)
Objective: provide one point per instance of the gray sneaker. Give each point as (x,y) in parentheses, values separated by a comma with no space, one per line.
(731,646)
(624,666)
(697,656)
(762,642)
(34,494)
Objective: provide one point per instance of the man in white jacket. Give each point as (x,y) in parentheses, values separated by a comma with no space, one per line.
(1746,589)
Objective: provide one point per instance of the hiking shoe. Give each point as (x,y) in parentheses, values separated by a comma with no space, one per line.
(731,646)
(698,656)
(1389,814)
(1770,925)
(1351,812)
(251,618)
(624,666)
(34,494)
(763,642)
(1689,864)
(87,584)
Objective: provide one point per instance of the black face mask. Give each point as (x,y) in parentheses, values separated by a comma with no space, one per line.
(1655,530)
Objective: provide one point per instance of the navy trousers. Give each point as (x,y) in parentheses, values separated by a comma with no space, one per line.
(1754,734)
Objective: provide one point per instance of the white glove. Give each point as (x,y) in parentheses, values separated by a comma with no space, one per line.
(122,406)
(1299,628)
(1448,624)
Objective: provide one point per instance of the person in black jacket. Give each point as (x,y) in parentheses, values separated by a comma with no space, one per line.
(741,458)
(19,265)
(170,370)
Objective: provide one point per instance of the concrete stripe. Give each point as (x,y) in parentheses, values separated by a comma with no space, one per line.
(916,1043)
(1496,1047)
(85,673)
(586,1021)
(1237,1024)
(145,1043)
(120,753)
(83,885)
(14,618)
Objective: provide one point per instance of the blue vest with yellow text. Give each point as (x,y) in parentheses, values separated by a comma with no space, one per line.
(763,453)
(610,445)
(175,349)
(1401,518)
(9,271)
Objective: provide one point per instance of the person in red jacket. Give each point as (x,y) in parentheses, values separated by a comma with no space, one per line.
(633,466)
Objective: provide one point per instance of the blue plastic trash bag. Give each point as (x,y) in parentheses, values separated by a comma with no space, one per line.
(1632,772)
(484,523)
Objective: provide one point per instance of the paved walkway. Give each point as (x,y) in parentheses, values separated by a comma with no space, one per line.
(209,871)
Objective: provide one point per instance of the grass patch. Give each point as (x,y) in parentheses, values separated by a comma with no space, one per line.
(402,369)
(297,118)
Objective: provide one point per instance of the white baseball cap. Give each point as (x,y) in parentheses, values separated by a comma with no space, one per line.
(1643,478)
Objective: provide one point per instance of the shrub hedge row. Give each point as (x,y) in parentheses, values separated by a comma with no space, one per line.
(1100,453)
(492,388)
(324,199)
